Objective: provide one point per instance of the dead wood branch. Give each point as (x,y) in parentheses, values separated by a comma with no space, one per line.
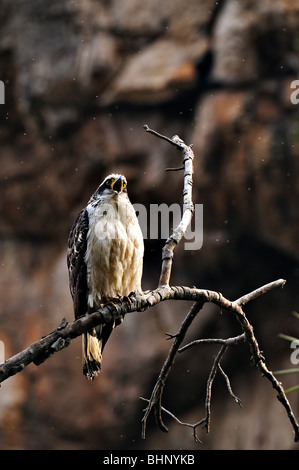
(234,307)
(60,338)
(188,208)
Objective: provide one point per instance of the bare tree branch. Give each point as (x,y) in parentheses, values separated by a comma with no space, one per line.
(209,387)
(229,341)
(193,426)
(155,400)
(215,367)
(234,307)
(229,388)
(60,338)
(188,208)
(247,335)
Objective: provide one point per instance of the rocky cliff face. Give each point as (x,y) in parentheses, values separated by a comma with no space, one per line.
(81,79)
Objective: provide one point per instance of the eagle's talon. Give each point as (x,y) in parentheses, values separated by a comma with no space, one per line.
(133,295)
(111,302)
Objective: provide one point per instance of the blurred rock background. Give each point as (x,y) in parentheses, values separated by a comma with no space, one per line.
(81,79)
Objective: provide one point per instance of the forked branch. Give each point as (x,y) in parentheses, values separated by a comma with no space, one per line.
(155,402)
(60,338)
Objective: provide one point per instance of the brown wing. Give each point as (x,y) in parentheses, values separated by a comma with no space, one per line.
(77,244)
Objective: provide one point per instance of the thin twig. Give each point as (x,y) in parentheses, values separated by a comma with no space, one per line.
(163,137)
(209,386)
(175,169)
(258,292)
(182,423)
(216,366)
(228,342)
(229,388)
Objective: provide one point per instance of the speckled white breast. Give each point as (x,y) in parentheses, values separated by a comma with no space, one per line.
(114,254)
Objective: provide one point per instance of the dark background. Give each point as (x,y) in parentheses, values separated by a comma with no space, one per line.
(81,79)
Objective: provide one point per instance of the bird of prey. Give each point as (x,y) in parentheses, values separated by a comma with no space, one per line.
(105,261)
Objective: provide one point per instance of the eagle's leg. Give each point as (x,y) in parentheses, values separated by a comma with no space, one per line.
(113,302)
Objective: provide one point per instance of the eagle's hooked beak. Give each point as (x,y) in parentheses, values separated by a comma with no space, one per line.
(119,185)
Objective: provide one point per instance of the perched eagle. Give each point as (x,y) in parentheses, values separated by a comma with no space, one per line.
(105,259)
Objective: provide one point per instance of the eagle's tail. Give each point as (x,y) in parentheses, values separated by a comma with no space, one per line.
(93,344)
(92,355)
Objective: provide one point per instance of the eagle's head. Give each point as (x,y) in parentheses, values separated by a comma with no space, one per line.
(112,186)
